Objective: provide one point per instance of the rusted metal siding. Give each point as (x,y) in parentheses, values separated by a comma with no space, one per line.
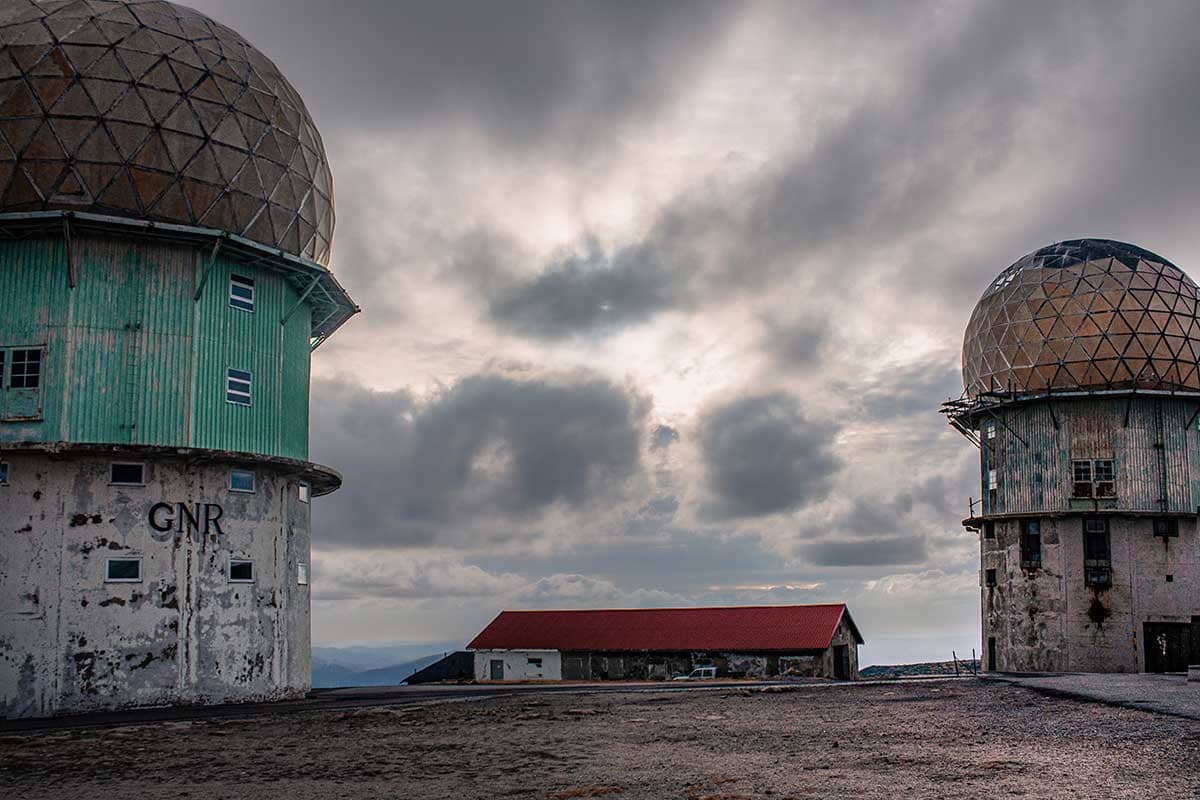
(1148,439)
(132,358)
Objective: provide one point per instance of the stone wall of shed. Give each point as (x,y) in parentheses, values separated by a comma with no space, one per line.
(70,642)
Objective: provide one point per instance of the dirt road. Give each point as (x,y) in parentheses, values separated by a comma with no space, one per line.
(946,739)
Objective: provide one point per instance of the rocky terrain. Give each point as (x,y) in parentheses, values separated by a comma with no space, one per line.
(931,739)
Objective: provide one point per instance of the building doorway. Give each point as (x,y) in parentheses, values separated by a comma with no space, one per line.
(497,669)
(1168,646)
(841,662)
(991,654)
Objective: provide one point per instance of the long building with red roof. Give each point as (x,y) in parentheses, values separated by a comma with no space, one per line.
(647,643)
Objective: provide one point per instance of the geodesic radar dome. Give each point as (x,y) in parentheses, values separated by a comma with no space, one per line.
(150,110)
(1085,314)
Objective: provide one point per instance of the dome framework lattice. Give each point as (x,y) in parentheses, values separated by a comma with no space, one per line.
(153,111)
(1087,314)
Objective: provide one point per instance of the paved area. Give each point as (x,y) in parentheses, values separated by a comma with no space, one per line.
(932,739)
(1162,694)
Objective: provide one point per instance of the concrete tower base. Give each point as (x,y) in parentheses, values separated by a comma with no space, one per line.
(178,589)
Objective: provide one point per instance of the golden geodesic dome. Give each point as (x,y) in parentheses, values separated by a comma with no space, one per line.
(150,110)
(1085,314)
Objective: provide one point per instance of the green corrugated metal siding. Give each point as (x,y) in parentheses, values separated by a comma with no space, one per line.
(131,358)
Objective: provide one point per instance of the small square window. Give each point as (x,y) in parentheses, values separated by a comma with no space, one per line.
(304,493)
(241,293)
(1103,469)
(241,480)
(3,474)
(26,372)
(1166,526)
(241,571)
(302,573)
(239,387)
(123,570)
(1170,579)
(127,474)
(990,577)
(534,662)
(991,430)
(991,479)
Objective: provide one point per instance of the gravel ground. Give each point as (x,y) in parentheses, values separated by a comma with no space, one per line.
(934,739)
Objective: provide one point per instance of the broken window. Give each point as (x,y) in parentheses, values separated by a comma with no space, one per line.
(241,571)
(1097,555)
(120,474)
(990,578)
(1031,544)
(1093,478)
(238,387)
(123,570)
(21,380)
(241,293)
(1166,526)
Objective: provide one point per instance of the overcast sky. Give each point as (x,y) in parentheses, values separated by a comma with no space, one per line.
(660,298)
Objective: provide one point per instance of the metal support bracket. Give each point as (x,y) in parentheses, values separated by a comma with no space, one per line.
(300,302)
(212,262)
(1008,428)
(1192,419)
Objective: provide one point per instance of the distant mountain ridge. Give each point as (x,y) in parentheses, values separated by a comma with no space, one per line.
(373,665)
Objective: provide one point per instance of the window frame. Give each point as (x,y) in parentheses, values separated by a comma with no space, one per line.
(1031,557)
(108,562)
(8,369)
(304,492)
(1171,525)
(990,577)
(112,481)
(1097,572)
(4,473)
(302,573)
(233,374)
(253,481)
(240,562)
(242,282)
(989,529)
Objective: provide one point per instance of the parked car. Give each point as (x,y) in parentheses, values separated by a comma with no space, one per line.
(699,674)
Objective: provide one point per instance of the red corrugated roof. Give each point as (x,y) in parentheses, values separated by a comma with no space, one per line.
(735,628)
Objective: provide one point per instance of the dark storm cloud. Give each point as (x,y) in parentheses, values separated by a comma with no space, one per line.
(913,389)
(523,72)
(590,294)
(798,344)
(884,551)
(762,456)
(490,449)
(898,163)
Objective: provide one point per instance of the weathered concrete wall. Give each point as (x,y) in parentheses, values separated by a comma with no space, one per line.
(517,666)
(1048,620)
(71,642)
